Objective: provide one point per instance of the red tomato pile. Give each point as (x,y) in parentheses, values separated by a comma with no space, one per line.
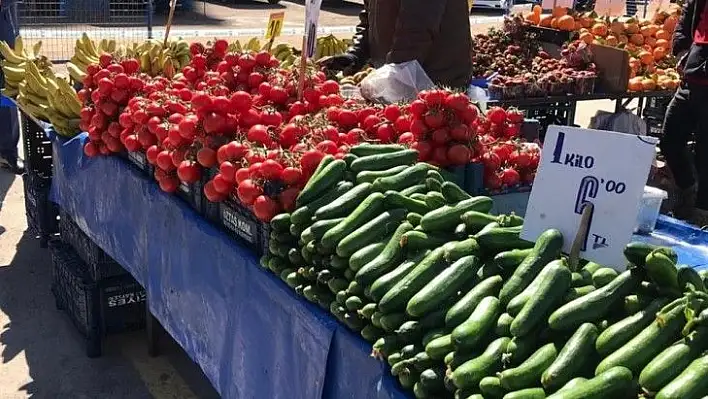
(235,117)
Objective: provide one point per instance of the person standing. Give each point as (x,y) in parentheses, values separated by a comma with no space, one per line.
(685,115)
(436,33)
(9,124)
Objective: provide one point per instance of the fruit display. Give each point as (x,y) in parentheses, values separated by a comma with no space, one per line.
(460,307)
(15,63)
(647,40)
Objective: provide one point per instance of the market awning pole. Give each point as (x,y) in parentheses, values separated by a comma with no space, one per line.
(173,4)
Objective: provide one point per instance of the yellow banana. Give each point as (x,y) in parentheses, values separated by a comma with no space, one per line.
(111,46)
(85,58)
(20,46)
(75,72)
(9,54)
(103,46)
(87,45)
(37,48)
(145,62)
(8,91)
(78,63)
(13,74)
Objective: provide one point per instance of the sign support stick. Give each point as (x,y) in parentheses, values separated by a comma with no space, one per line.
(173,4)
(580,237)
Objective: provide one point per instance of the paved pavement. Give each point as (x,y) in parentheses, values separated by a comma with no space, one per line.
(41,355)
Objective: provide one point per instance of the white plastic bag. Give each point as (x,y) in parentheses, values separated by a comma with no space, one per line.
(621,122)
(396,82)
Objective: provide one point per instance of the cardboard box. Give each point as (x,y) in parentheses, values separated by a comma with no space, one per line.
(613,66)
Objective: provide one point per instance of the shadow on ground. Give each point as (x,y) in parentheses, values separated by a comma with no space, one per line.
(55,352)
(6,179)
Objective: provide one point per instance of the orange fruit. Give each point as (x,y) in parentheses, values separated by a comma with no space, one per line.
(566,23)
(648,84)
(611,41)
(537,9)
(662,34)
(554,23)
(670,23)
(559,11)
(650,41)
(599,29)
(636,39)
(635,84)
(587,37)
(631,28)
(662,43)
(533,18)
(648,30)
(617,28)
(545,21)
(645,57)
(659,53)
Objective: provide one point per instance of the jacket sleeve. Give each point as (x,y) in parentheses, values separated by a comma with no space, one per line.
(360,41)
(417,24)
(683,35)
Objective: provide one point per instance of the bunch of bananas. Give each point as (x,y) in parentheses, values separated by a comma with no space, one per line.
(357,77)
(157,59)
(86,52)
(328,46)
(286,54)
(50,98)
(253,44)
(16,61)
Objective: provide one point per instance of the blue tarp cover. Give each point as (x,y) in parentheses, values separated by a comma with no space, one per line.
(249,332)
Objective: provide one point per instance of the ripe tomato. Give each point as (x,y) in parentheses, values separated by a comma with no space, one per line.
(228,171)
(241,101)
(265,208)
(523,159)
(287,198)
(511,130)
(354,136)
(221,185)
(310,160)
(169,184)
(460,133)
(492,181)
(439,156)
(131,143)
(491,161)
(250,117)
(271,169)
(434,119)
(164,161)
(514,115)
(347,118)
(496,115)
(271,118)
(235,150)
(457,101)
(418,108)
(406,138)
(370,122)
(440,136)
(258,134)
(263,58)
(327,147)
(248,191)
(424,150)
(278,95)
(459,154)
(391,112)
(90,149)
(418,128)
(385,133)
(291,175)
(510,177)
(206,157)
(329,87)
(241,175)
(188,172)
(211,194)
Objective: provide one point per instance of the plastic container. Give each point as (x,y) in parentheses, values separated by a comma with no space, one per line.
(649,209)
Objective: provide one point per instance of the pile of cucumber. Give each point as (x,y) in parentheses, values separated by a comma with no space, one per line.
(460,307)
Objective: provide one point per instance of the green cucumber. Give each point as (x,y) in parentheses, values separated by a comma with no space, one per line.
(386,260)
(383,161)
(417,240)
(324,162)
(687,275)
(510,260)
(434,200)
(434,186)
(303,215)
(457,250)
(432,380)
(355,288)
(371,333)
(398,296)
(345,204)
(366,149)
(418,196)
(453,193)
(376,319)
(643,347)
(278,264)
(692,383)
(449,215)
(392,321)
(595,305)
(661,269)
(470,373)
(281,222)
(467,335)
(385,346)
(588,270)
(321,182)
(573,358)
(394,359)
(547,248)
(457,358)
(635,303)
(636,252)
(295,257)
(435,174)
(612,383)
(422,361)
(368,310)
(520,348)
(668,364)
(528,373)
(414,218)
(504,325)
(549,292)
(417,189)
(517,303)
(433,335)
(353,303)
(320,227)
(397,200)
(371,207)
(371,232)
(337,284)
(572,384)
(619,333)
(499,239)
(460,232)
(338,262)
(366,255)
(603,276)
(368,176)
(407,380)
(577,292)
(528,393)
(401,180)
(419,392)
(443,286)
(466,305)
(475,221)
(438,348)
(491,388)
(383,284)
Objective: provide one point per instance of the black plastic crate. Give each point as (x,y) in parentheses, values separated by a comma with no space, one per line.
(210,210)
(548,35)
(100,265)
(655,107)
(192,194)
(37,147)
(655,127)
(242,224)
(139,160)
(41,213)
(96,309)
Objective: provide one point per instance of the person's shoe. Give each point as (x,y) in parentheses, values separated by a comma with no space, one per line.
(13,164)
(685,203)
(699,217)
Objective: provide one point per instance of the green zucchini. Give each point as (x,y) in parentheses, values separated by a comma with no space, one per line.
(573,358)
(371,207)
(368,176)
(547,248)
(397,200)
(594,305)
(438,348)
(417,189)
(401,180)
(572,384)
(303,215)
(470,373)
(528,393)
(366,149)
(434,200)
(636,252)
(443,286)
(459,249)
(386,260)
(449,215)
(466,305)
(366,255)
(528,373)
(687,275)
(692,383)
(504,325)
(661,269)
(612,383)
(371,232)
(467,335)
(549,292)
(453,193)
(619,333)
(510,260)
(668,364)
(491,388)
(417,240)
(345,204)
(499,239)
(577,292)
(321,182)
(383,161)
(475,221)
(603,276)
(643,347)
(398,296)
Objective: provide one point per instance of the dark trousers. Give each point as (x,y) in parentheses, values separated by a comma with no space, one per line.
(686,118)
(9,124)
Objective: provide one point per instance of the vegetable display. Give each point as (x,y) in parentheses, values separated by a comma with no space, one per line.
(476,312)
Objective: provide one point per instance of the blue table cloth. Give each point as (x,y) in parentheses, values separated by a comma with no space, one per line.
(252,336)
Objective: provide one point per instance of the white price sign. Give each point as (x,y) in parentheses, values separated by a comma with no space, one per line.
(312,16)
(581,166)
